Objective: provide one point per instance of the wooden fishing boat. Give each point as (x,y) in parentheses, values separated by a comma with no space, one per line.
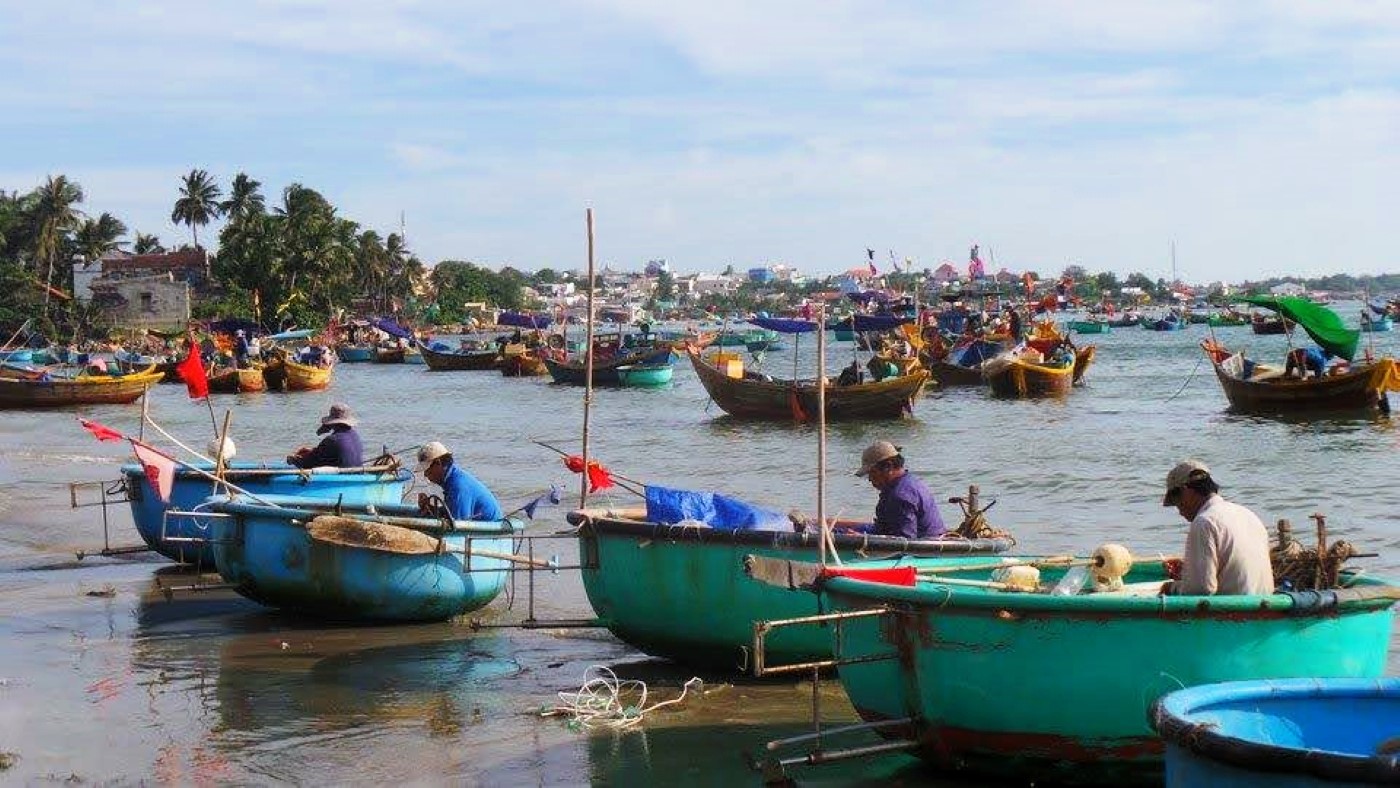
(304,377)
(573,373)
(1256,734)
(187,540)
(355,354)
(348,562)
(949,374)
(1126,320)
(233,381)
(413,356)
(645,375)
(1227,320)
(388,355)
(1257,388)
(462,361)
(129,362)
(678,591)
(41,389)
(1164,324)
(1090,326)
(1015,374)
(1057,688)
(754,398)
(1270,325)
(523,365)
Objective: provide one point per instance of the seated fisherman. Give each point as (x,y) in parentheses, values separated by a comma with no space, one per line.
(906,507)
(466,497)
(1227,546)
(342,448)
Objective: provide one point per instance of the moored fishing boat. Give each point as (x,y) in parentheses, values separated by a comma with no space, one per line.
(1286,732)
(524,364)
(573,373)
(376,563)
(1089,326)
(1376,324)
(440,360)
(1252,387)
(678,591)
(388,355)
(355,354)
(1172,322)
(645,375)
(187,541)
(1264,325)
(306,377)
(43,389)
(1026,374)
(1227,319)
(757,398)
(230,380)
(1058,687)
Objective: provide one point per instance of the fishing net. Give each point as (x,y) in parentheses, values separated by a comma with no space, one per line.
(1299,568)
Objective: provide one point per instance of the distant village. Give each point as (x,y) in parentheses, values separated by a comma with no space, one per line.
(163,291)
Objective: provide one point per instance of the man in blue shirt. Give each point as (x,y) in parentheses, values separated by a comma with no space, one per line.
(1304,360)
(465,496)
(342,448)
(906,507)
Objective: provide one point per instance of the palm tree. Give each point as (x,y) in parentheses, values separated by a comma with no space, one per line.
(54,215)
(96,237)
(147,244)
(198,203)
(244,199)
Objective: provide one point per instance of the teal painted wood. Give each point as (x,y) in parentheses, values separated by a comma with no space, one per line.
(1089,327)
(1059,688)
(1375,324)
(355,354)
(681,592)
(267,555)
(1287,733)
(646,375)
(190,489)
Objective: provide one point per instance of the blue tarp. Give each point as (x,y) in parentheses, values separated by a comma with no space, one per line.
(668,506)
(523,320)
(880,322)
(301,333)
(783,326)
(391,328)
(977,352)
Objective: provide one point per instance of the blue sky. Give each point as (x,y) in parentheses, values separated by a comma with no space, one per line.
(1260,136)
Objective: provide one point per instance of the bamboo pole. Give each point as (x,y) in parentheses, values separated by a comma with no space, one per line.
(821,434)
(587,368)
(219,465)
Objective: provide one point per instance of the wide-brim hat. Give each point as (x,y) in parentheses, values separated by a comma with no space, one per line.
(1185,472)
(874,454)
(340,414)
(428,453)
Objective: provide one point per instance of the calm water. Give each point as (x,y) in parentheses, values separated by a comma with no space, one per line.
(103,678)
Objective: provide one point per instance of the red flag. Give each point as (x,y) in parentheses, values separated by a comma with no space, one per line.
(191,370)
(599,478)
(160,468)
(101,432)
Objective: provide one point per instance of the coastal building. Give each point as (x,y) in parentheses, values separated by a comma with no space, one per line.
(143,290)
(945,274)
(1288,289)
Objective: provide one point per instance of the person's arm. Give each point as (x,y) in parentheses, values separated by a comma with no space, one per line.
(325,453)
(1199,573)
(896,516)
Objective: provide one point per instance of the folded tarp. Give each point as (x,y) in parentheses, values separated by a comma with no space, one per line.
(880,322)
(670,506)
(391,328)
(783,326)
(523,320)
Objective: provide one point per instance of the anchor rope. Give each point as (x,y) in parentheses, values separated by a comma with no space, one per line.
(599,702)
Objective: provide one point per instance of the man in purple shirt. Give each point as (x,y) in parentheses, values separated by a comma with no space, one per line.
(906,507)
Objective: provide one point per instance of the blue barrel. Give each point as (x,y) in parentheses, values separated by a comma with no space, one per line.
(1285,733)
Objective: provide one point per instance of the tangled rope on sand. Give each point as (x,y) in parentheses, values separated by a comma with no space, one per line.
(599,703)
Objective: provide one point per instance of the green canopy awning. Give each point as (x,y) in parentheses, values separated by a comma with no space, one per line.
(1322,324)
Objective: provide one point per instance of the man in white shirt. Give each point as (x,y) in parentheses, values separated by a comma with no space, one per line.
(1227,546)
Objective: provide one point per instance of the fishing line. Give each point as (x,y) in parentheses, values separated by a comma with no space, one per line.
(1189,378)
(598,703)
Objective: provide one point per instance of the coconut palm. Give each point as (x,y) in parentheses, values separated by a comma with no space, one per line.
(96,237)
(146,244)
(54,216)
(198,204)
(244,199)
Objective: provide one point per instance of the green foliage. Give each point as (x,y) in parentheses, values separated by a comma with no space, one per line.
(458,283)
(198,203)
(665,286)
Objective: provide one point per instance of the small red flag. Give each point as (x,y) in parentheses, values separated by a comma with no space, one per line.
(599,478)
(159,467)
(191,370)
(101,431)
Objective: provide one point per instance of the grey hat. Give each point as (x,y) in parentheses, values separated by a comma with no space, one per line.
(340,414)
(874,454)
(1185,472)
(428,453)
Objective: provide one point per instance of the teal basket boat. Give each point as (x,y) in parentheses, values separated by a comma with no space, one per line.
(646,375)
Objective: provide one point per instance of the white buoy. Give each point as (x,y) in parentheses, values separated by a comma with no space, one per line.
(229,448)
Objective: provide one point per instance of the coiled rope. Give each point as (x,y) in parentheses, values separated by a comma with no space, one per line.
(599,703)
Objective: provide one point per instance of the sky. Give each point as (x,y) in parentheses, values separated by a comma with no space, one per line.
(1259,137)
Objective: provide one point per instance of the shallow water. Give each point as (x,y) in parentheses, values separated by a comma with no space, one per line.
(103,677)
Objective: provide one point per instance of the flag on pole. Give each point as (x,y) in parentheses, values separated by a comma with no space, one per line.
(100,431)
(191,370)
(159,467)
(599,478)
(554,496)
(870,257)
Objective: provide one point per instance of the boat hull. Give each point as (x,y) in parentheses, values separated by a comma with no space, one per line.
(475,361)
(1360,390)
(1059,688)
(573,373)
(797,400)
(523,365)
(269,556)
(1013,377)
(190,490)
(645,375)
(1089,327)
(1294,733)
(956,374)
(680,593)
(353,354)
(303,377)
(23,392)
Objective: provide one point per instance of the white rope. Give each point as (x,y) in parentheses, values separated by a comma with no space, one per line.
(599,702)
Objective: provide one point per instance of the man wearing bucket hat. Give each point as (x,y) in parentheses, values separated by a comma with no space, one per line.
(1227,546)
(466,497)
(906,507)
(342,448)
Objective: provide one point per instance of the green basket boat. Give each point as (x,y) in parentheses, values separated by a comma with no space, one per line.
(1090,326)
(646,375)
(1058,688)
(679,592)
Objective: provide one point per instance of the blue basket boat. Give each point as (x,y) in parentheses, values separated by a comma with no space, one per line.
(645,375)
(186,541)
(358,562)
(1292,733)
